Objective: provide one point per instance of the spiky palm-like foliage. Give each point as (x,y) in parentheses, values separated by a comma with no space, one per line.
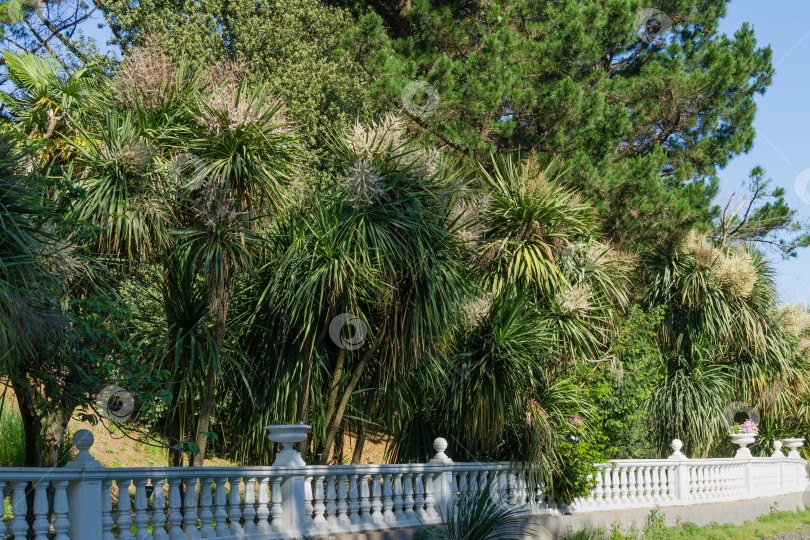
(719,336)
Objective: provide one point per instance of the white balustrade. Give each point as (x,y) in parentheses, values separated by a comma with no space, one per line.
(294,500)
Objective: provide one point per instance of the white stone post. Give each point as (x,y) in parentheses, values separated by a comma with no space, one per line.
(444,485)
(84,495)
(681,470)
(293,486)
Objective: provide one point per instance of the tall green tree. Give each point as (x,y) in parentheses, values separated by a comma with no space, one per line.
(646,102)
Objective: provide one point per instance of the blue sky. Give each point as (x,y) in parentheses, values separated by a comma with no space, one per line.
(782,145)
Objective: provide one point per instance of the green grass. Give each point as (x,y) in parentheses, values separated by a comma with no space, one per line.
(769,525)
(12,443)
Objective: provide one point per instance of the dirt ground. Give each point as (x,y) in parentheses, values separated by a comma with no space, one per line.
(114,449)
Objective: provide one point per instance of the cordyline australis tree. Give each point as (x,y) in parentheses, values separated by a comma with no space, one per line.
(181,164)
(722,339)
(66,334)
(378,244)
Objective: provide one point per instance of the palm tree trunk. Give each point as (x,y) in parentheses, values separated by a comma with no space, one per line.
(357,455)
(332,430)
(306,382)
(221,301)
(333,391)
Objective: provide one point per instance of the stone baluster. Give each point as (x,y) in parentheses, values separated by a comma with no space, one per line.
(616,482)
(308,507)
(608,485)
(430,499)
(376,501)
(141,506)
(249,512)
(175,517)
(473,483)
(107,522)
(388,499)
(668,483)
(276,507)
(656,483)
(596,494)
(61,522)
(632,486)
(263,510)
(647,484)
(511,485)
(220,507)
(158,510)
(483,481)
(124,520)
(354,500)
(693,488)
(399,502)
(206,507)
(365,501)
(343,505)
(462,485)
(410,515)
(190,504)
(318,504)
(640,484)
(19,509)
(234,507)
(421,514)
(624,491)
(331,503)
(4,531)
(42,524)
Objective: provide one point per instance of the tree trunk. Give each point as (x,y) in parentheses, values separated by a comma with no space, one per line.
(221,300)
(32,426)
(338,451)
(306,383)
(333,393)
(357,455)
(347,394)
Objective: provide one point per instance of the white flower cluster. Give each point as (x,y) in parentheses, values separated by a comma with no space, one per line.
(226,110)
(477,310)
(735,273)
(133,156)
(380,140)
(575,299)
(695,243)
(362,185)
(795,319)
